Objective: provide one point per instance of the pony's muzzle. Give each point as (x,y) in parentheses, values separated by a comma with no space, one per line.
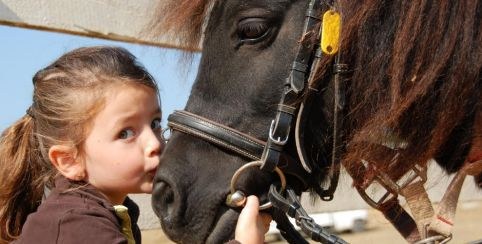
(163,202)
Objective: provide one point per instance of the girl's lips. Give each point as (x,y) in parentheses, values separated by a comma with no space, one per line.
(152,172)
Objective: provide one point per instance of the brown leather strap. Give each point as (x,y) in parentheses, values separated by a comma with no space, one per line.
(387,204)
(401,220)
(425,224)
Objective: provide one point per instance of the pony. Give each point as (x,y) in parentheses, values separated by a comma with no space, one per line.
(411,91)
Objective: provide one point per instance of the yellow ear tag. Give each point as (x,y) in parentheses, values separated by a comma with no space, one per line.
(330,32)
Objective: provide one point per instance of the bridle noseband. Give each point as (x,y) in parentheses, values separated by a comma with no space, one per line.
(215,133)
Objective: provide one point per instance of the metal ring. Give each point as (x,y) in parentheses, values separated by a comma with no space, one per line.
(257,164)
(163,134)
(436,238)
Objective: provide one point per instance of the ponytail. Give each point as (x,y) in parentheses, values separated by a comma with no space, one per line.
(23,174)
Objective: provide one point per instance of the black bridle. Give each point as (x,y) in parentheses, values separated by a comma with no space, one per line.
(289,115)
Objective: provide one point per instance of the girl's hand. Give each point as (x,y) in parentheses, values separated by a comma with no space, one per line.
(252,225)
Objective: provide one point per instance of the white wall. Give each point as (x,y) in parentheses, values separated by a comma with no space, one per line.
(119,20)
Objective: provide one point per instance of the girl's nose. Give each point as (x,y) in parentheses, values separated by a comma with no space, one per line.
(154,145)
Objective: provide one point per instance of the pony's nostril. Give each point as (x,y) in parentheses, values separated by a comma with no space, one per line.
(168,200)
(163,201)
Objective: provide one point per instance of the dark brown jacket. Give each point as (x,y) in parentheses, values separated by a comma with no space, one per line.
(81,216)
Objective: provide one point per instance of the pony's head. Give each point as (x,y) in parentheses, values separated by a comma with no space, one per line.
(414,75)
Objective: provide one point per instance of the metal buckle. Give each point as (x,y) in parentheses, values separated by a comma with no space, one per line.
(276,141)
(440,239)
(435,238)
(239,197)
(163,134)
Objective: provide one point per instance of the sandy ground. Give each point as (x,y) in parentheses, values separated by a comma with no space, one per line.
(468,228)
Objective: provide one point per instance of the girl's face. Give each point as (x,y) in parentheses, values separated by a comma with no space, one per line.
(124,146)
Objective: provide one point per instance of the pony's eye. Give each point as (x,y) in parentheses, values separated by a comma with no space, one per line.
(156,124)
(125,134)
(253,29)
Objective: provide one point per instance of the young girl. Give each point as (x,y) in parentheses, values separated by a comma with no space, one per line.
(91,135)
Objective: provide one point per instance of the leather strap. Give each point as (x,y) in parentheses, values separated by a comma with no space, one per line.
(292,207)
(234,141)
(216,133)
(401,220)
(286,228)
(387,204)
(295,83)
(425,223)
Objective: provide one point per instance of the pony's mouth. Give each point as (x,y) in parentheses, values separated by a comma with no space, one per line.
(224,225)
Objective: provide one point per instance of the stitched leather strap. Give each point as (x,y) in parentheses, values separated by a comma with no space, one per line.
(234,141)
(216,133)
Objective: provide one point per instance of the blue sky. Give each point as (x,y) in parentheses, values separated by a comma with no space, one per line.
(23,52)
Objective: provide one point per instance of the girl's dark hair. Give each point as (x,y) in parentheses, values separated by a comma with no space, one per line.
(67,95)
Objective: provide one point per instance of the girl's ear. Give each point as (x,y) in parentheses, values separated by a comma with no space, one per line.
(64,159)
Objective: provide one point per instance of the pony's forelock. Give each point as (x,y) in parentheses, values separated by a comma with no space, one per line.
(181,21)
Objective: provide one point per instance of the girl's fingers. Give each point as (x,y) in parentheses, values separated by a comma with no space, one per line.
(250,225)
(252,209)
(252,204)
(266,219)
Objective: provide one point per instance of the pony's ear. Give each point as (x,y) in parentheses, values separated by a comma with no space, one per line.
(64,159)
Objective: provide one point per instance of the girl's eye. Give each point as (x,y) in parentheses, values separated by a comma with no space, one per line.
(126,133)
(156,124)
